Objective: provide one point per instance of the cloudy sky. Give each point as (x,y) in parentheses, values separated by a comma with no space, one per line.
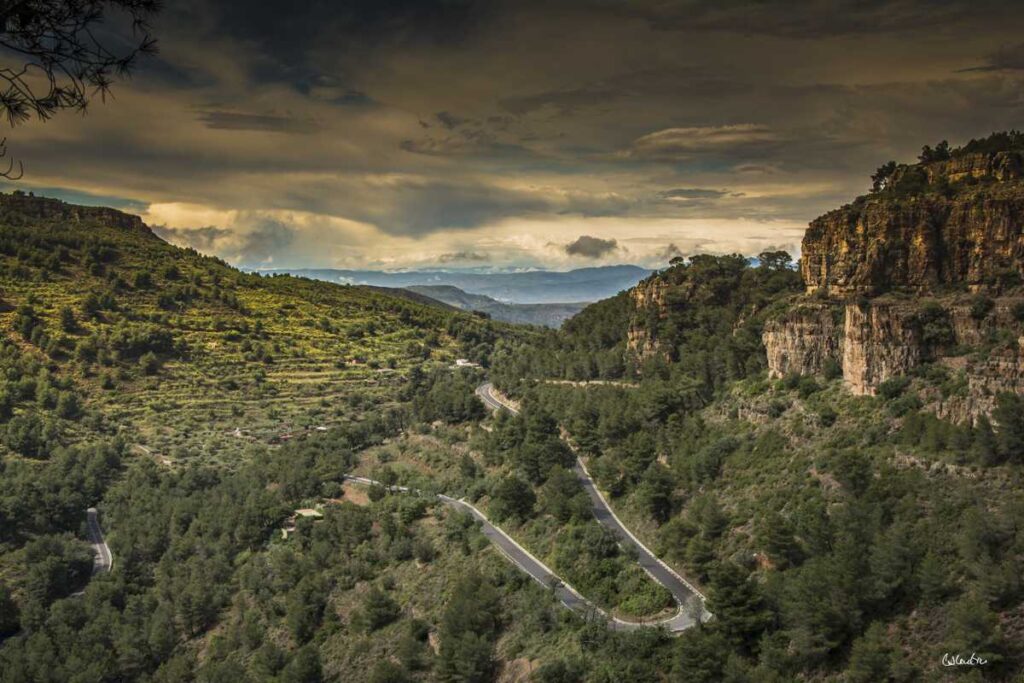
(519,133)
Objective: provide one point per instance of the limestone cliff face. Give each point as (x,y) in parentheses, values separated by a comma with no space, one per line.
(872,342)
(1002,166)
(886,338)
(650,302)
(972,238)
(896,270)
(879,342)
(803,339)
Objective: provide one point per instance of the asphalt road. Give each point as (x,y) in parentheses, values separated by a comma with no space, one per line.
(102,560)
(683,593)
(486,393)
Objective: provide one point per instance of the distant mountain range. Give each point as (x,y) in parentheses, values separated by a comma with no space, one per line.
(548,315)
(529,287)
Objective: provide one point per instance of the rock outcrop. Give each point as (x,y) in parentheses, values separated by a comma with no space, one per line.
(971,239)
(880,341)
(804,339)
(889,279)
(649,299)
(885,338)
(48,209)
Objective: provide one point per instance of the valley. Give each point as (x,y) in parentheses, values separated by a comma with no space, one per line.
(814,471)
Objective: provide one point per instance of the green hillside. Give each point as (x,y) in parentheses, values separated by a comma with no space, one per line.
(184,355)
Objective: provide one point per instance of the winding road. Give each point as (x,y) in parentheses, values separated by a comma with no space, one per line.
(682,591)
(102,561)
(537,570)
(684,594)
(515,553)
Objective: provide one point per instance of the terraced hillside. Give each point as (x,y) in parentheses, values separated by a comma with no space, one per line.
(180,353)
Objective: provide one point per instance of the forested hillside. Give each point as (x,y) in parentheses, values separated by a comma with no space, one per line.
(857,513)
(198,408)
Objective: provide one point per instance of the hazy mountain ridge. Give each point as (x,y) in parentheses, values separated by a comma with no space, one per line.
(528,287)
(547,315)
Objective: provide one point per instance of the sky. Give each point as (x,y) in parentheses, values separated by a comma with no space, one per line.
(508,134)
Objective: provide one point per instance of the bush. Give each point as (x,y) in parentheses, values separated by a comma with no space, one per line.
(807,387)
(68,323)
(31,435)
(893,387)
(827,416)
(512,498)
(981,306)
(1018,311)
(934,325)
(68,406)
(149,363)
(832,369)
(378,610)
(777,408)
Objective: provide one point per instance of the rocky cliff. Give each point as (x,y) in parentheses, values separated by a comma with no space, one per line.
(804,339)
(968,236)
(649,299)
(46,208)
(927,272)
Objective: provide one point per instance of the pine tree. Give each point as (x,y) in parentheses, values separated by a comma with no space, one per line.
(984,449)
(1009,415)
(778,540)
(932,578)
(870,657)
(736,602)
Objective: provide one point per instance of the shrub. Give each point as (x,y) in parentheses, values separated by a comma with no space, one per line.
(149,363)
(832,369)
(981,306)
(68,406)
(893,387)
(934,325)
(777,407)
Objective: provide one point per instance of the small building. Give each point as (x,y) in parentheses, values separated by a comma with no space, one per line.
(310,513)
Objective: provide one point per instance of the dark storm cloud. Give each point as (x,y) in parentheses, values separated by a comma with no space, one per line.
(681,143)
(564,101)
(415,206)
(228,120)
(1006,58)
(294,37)
(331,89)
(463,256)
(808,19)
(422,207)
(507,128)
(669,252)
(204,239)
(643,82)
(590,247)
(449,120)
